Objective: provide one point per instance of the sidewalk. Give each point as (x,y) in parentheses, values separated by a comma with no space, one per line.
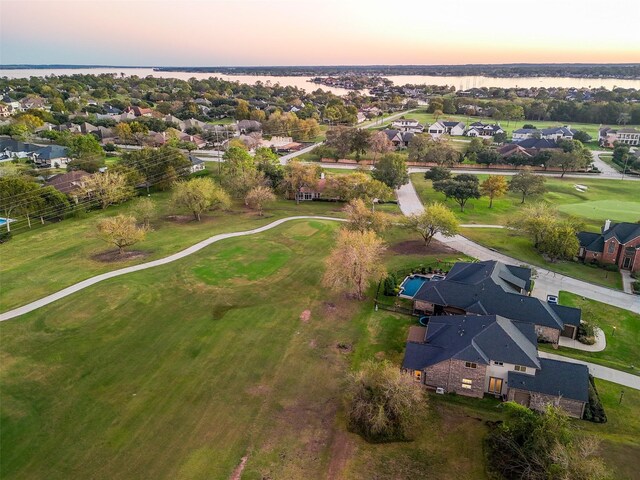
(627,281)
(601,343)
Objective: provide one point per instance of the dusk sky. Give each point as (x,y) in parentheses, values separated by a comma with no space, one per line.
(314,32)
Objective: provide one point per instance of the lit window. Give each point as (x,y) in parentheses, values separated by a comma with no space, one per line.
(417,374)
(467,381)
(470,365)
(468,387)
(520,368)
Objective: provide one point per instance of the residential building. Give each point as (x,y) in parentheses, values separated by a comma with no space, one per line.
(68,183)
(399,139)
(607,136)
(616,244)
(494,288)
(446,127)
(248,126)
(552,133)
(482,130)
(474,355)
(197,165)
(312,193)
(52,156)
(509,149)
(407,125)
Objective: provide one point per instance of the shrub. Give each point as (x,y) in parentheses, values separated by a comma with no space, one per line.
(636,286)
(390,285)
(611,268)
(5,236)
(586,333)
(594,411)
(438,173)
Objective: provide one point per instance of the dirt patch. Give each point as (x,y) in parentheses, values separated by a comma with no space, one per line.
(313,343)
(344,347)
(305,316)
(416,247)
(113,256)
(259,390)
(341,449)
(237,473)
(189,218)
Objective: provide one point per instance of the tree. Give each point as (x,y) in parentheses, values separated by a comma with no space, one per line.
(534,220)
(361,218)
(380,144)
(500,138)
(383,403)
(15,194)
(242,110)
(199,195)
(360,139)
(437,173)
(493,187)
(442,154)
(357,185)
(436,218)
(158,166)
(560,241)
(56,204)
(143,210)
(391,170)
(419,146)
(581,136)
(123,132)
(298,175)
(121,231)
(107,188)
(268,163)
(85,147)
(489,156)
(527,183)
(258,197)
(340,139)
(569,161)
(354,262)
(531,446)
(460,188)
(624,118)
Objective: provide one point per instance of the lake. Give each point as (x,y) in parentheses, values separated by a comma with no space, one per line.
(460,83)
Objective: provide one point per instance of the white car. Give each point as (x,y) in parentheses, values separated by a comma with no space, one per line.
(552,299)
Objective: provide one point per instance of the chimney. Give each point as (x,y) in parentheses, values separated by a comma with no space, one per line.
(607,226)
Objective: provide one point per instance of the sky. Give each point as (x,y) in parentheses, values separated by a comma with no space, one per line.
(317,32)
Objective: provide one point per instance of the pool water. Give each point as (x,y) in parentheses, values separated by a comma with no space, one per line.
(411,285)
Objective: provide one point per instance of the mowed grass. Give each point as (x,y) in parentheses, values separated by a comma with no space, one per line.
(621,328)
(47,259)
(181,370)
(604,199)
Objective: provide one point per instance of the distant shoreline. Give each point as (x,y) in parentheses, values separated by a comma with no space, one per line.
(621,71)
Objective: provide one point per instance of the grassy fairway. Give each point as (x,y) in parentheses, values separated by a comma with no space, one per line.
(621,352)
(604,199)
(179,371)
(47,259)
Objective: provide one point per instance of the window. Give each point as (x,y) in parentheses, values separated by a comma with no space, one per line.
(417,375)
(470,365)
(466,383)
(498,363)
(495,385)
(612,246)
(520,368)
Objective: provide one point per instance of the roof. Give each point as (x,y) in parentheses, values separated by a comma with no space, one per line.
(557,378)
(493,288)
(472,338)
(537,143)
(52,151)
(624,232)
(67,182)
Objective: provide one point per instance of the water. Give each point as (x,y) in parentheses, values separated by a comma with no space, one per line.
(460,83)
(411,285)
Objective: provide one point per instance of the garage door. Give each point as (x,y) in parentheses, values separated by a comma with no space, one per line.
(522,397)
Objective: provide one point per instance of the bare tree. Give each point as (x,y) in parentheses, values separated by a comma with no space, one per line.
(121,231)
(258,197)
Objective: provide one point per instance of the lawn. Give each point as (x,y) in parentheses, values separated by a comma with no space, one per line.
(47,259)
(181,370)
(593,207)
(621,351)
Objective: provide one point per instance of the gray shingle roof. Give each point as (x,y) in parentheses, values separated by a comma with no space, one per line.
(471,338)
(537,143)
(493,288)
(568,380)
(623,232)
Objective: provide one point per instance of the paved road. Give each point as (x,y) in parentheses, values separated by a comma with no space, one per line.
(547,282)
(598,371)
(606,169)
(16,312)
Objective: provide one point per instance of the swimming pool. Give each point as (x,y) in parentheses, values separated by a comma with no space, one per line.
(411,284)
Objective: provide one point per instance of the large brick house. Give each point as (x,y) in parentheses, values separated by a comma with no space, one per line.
(617,244)
(474,355)
(493,288)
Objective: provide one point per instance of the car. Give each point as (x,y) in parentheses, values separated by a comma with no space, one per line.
(552,299)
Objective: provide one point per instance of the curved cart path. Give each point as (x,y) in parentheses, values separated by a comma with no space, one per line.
(16,312)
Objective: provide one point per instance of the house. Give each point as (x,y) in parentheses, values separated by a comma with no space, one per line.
(482,130)
(616,244)
(536,145)
(510,149)
(69,182)
(248,126)
(607,136)
(398,138)
(194,123)
(10,149)
(552,133)
(446,127)
(360,117)
(312,193)
(195,139)
(276,142)
(197,165)
(139,111)
(494,288)
(51,156)
(5,111)
(407,125)
(32,102)
(474,355)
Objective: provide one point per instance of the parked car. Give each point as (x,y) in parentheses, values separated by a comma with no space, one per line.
(552,299)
